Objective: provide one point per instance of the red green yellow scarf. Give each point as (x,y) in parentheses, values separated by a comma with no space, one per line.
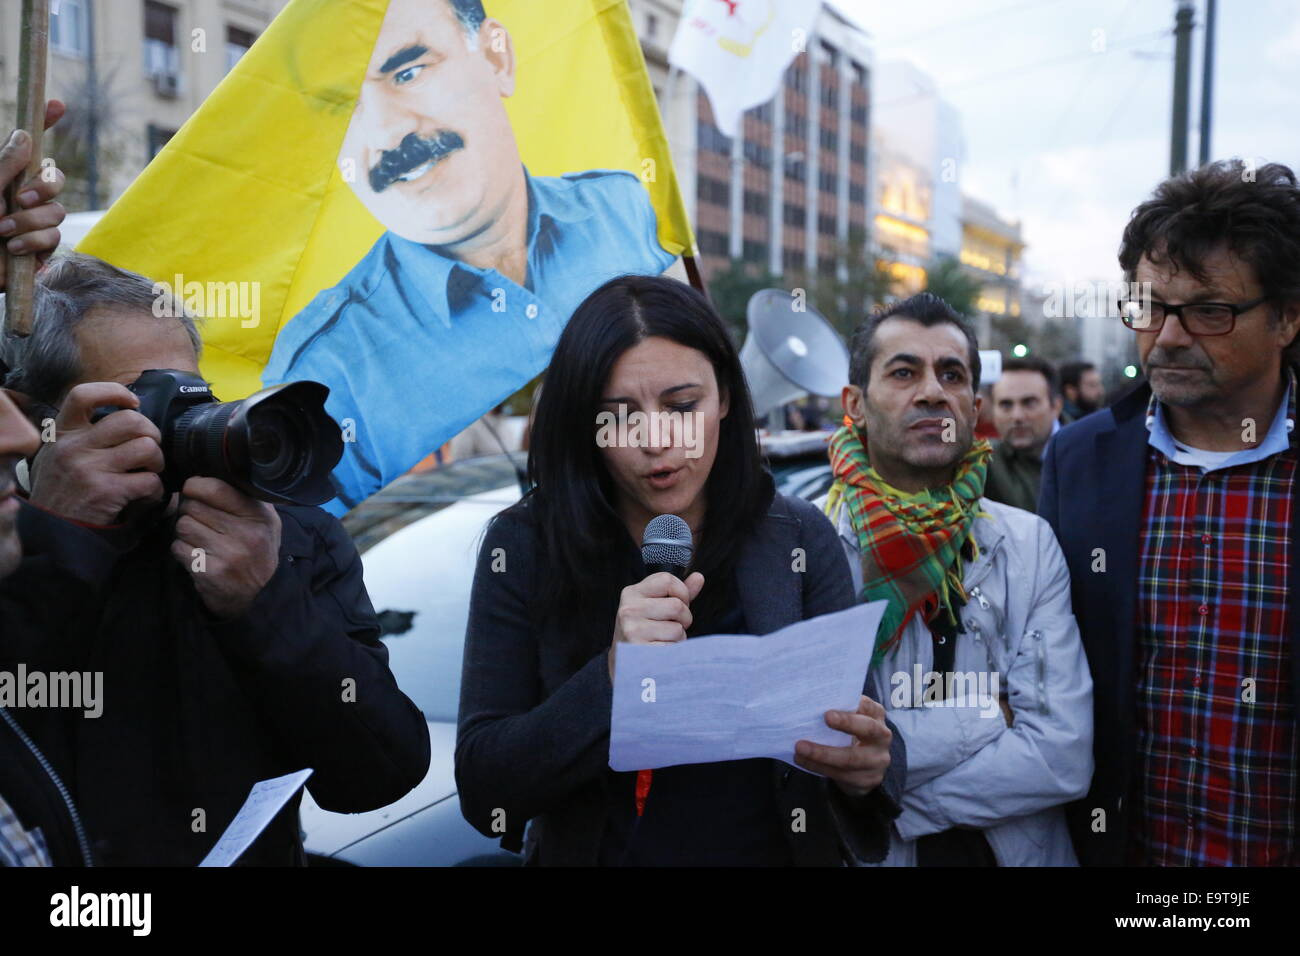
(911,544)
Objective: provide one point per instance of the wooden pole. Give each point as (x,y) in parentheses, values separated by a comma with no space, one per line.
(694,276)
(20,270)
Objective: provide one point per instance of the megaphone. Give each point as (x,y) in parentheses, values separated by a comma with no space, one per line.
(791,350)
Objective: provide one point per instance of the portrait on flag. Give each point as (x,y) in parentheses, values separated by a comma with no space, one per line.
(492,164)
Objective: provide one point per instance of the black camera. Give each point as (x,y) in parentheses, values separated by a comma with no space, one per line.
(278,445)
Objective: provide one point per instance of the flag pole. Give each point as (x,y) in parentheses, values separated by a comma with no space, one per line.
(34,42)
(694,276)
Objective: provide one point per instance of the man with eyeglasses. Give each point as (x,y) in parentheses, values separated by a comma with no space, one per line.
(1176,511)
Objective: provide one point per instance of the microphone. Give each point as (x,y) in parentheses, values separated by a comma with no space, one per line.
(666,545)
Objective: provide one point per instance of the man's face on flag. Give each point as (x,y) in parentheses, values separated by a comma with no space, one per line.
(432,151)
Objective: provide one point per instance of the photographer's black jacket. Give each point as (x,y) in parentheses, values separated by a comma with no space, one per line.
(196,710)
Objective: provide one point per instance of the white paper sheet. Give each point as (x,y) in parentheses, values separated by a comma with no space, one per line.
(731,697)
(263,803)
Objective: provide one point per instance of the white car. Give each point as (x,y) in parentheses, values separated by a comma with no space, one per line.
(419,540)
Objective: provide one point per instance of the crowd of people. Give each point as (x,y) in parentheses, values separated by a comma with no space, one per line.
(1121,577)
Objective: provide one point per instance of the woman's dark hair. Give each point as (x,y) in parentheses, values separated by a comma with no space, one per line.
(580,532)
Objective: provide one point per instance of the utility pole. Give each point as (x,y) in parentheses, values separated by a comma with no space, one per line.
(1182,86)
(1207,81)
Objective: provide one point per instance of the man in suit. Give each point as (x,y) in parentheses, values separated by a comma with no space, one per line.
(1176,509)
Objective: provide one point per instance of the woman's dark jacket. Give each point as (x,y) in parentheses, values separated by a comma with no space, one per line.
(533,740)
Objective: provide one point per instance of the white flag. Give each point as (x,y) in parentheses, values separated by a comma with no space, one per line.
(739,49)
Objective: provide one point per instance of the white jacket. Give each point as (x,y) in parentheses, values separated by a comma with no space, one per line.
(965,765)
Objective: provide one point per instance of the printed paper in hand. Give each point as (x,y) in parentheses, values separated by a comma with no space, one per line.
(263,803)
(731,697)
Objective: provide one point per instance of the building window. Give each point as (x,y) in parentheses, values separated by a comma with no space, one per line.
(157,139)
(829,139)
(69,28)
(857,153)
(860,75)
(796,170)
(238,43)
(794,215)
(713,191)
(826,182)
(792,259)
(827,54)
(858,113)
(758,155)
(161,58)
(712,243)
(826,224)
(754,251)
(712,139)
(857,194)
(830,96)
(756,203)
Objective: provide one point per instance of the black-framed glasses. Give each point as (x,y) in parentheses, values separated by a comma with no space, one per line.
(1198,318)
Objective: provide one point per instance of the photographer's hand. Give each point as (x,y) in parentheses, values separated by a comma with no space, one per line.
(89,473)
(33,227)
(228,542)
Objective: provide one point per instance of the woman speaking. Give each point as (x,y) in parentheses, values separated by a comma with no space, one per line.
(560,584)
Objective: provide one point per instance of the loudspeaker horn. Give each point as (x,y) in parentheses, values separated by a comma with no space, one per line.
(790,350)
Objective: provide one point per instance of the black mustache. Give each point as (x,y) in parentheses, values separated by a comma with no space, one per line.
(411,153)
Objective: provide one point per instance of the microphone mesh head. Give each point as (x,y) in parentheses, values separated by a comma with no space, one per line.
(667,540)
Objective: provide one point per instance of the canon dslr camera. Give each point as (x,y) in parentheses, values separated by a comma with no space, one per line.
(278,445)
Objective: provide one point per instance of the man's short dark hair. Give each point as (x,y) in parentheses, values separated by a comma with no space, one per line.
(470,13)
(1032,363)
(1072,373)
(925,308)
(1254,212)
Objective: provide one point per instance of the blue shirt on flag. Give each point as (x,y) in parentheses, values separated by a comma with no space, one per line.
(415,346)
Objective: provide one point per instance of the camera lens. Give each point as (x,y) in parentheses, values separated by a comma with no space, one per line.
(198,440)
(279,444)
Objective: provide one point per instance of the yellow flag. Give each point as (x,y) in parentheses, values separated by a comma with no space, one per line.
(405,200)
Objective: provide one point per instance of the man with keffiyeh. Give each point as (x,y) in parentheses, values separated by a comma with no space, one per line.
(978,656)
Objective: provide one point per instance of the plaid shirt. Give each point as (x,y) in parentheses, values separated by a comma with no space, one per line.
(19,847)
(1218,761)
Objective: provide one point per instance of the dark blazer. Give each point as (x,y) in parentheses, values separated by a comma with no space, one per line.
(533,740)
(1093,492)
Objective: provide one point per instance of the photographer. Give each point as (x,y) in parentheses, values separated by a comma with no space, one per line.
(236,639)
